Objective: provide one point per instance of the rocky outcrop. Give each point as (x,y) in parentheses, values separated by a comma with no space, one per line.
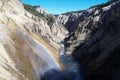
(96,40)
(41,10)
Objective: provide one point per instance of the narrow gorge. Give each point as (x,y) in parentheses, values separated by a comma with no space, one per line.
(77,45)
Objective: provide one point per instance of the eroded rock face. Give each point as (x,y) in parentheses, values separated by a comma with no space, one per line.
(50,30)
(11,6)
(47,27)
(81,24)
(99,50)
(22,57)
(22,35)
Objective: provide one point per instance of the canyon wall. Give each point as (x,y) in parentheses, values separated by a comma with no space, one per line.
(29,45)
(94,39)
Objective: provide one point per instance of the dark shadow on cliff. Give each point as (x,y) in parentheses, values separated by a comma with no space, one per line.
(100,54)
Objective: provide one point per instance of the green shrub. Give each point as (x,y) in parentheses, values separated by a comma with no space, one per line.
(49,18)
(32,10)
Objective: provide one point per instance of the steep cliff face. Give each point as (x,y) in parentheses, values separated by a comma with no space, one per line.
(45,25)
(22,37)
(97,37)
(22,57)
(82,24)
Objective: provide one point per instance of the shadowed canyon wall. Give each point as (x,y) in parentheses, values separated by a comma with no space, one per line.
(95,39)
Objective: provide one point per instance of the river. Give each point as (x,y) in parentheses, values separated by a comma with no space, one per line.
(70,64)
(70,71)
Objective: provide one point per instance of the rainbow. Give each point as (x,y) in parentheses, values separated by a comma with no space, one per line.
(57,64)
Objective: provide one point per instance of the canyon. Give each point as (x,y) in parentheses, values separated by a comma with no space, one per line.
(32,41)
